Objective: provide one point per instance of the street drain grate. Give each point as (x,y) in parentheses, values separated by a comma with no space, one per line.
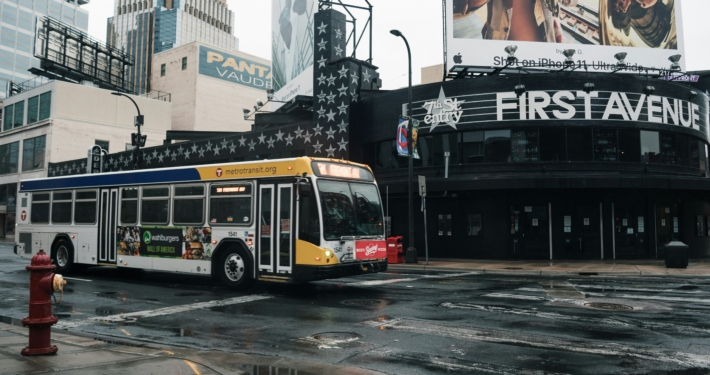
(362,302)
(189,294)
(607,306)
(336,337)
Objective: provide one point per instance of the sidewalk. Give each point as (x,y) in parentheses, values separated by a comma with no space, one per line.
(699,267)
(86,354)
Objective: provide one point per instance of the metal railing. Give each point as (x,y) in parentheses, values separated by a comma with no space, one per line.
(158,95)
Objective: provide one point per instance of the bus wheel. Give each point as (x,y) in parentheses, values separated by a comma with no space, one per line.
(235,270)
(63,256)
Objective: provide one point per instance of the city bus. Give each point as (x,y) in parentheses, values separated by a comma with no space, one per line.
(288,220)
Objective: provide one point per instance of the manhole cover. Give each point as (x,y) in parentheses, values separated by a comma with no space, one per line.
(189,294)
(362,302)
(608,306)
(336,337)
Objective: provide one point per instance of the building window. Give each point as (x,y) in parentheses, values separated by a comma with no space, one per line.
(579,144)
(668,150)
(33,153)
(445,225)
(693,148)
(525,145)
(184,63)
(605,143)
(162,70)
(650,147)
(9,117)
(497,145)
(629,146)
(474,224)
(102,144)
(700,229)
(553,144)
(9,154)
(387,157)
(45,105)
(32,110)
(472,148)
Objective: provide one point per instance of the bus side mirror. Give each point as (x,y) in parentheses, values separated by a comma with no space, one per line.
(304,188)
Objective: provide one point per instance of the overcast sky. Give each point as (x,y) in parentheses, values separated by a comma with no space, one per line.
(420,23)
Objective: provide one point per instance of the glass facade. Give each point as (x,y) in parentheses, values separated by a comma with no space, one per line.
(18,19)
(143,28)
(546,145)
(33,153)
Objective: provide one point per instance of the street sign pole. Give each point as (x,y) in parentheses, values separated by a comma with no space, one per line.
(422,193)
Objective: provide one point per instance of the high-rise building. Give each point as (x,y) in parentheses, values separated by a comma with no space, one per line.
(17,33)
(143,28)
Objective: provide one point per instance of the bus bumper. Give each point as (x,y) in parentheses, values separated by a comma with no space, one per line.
(306,273)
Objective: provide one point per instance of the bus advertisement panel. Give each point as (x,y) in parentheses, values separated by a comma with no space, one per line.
(649,31)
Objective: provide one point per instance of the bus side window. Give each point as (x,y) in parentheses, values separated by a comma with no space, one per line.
(231,204)
(40,208)
(308,219)
(154,205)
(85,207)
(129,206)
(61,207)
(189,205)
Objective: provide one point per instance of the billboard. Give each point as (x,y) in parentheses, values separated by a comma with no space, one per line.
(649,31)
(292,47)
(235,69)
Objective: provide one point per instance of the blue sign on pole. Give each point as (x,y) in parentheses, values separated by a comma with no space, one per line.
(235,69)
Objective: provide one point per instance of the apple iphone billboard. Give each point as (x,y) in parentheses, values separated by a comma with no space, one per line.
(292,48)
(649,31)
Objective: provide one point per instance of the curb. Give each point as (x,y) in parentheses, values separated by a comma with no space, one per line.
(523,272)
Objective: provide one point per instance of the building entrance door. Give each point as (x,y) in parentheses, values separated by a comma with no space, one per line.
(581,231)
(667,227)
(630,232)
(530,230)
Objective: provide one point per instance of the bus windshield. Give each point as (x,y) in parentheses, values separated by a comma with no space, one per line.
(350,209)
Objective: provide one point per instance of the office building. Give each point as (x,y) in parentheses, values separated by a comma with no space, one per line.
(17,33)
(144,28)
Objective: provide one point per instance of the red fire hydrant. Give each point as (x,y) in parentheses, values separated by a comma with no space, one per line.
(43,284)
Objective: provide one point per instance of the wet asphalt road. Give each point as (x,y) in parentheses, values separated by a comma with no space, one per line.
(414,323)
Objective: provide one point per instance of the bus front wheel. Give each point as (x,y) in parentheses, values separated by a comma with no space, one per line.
(235,270)
(63,256)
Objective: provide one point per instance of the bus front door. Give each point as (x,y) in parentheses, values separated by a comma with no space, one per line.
(275,251)
(107,226)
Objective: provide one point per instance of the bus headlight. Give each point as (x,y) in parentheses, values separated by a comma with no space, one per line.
(327,253)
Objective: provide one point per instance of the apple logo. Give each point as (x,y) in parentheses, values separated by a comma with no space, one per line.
(457,58)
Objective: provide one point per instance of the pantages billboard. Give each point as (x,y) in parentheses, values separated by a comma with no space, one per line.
(559,107)
(649,31)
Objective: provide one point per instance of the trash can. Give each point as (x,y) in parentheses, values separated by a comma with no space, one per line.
(676,255)
(395,251)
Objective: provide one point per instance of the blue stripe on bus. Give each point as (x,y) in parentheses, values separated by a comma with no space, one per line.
(98,180)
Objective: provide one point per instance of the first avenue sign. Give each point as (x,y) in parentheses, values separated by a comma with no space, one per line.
(561,105)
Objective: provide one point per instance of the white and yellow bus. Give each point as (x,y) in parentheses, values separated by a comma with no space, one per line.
(287,220)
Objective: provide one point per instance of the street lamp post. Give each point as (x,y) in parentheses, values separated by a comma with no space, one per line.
(411,255)
(137,140)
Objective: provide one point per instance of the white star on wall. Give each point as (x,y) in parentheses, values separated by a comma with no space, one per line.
(330,115)
(317,130)
(354,78)
(321,79)
(331,80)
(321,112)
(366,76)
(241,140)
(321,28)
(270,142)
(289,140)
(331,151)
(299,132)
(343,90)
(216,150)
(343,72)
(342,144)
(343,125)
(322,44)
(331,98)
(321,62)
(251,145)
(338,33)
(355,95)
(261,138)
(279,135)
(317,147)
(321,97)
(307,137)
(343,108)
(330,133)
(338,51)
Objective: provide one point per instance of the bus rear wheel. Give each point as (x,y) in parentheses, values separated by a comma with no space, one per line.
(235,270)
(63,256)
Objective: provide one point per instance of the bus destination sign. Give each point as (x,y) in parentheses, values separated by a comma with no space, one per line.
(326,169)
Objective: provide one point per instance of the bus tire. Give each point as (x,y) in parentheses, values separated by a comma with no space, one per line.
(234,269)
(63,256)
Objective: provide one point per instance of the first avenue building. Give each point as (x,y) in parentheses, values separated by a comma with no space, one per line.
(558,170)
